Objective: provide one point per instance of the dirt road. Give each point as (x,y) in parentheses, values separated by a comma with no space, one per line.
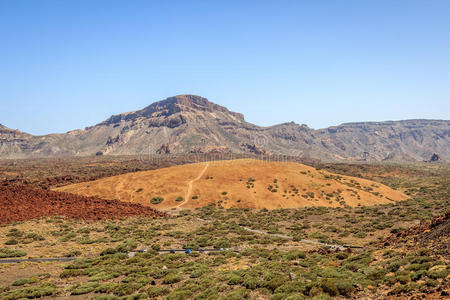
(187,196)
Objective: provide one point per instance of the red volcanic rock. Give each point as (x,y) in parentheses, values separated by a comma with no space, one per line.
(21,202)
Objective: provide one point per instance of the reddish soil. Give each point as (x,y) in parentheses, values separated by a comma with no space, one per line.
(22,202)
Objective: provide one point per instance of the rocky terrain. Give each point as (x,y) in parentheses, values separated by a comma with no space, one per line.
(430,234)
(19,203)
(192,124)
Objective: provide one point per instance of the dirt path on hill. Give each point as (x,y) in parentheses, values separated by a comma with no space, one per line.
(189,189)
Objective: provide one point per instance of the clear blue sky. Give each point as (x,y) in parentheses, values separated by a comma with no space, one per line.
(70,64)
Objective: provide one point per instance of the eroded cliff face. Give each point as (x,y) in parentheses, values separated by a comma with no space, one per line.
(192,124)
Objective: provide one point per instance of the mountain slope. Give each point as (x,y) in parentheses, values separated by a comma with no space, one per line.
(192,124)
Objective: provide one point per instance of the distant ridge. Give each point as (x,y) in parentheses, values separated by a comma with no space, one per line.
(390,122)
(192,124)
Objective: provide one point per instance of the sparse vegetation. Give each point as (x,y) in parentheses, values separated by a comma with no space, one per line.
(7,253)
(275,264)
(156,200)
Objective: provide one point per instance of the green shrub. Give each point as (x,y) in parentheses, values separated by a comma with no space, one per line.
(239,294)
(322,296)
(158,273)
(81,289)
(6,253)
(421,259)
(11,242)
(416,267)
(291,287)
(251,283)
(108,251)
(172,278)
(179,295)
(26,280)
(274,283)
(315,291)
(403,279)
(14,232)
(417,275)
(295,254)
(73,253)
(73,273)
(157,291)
(399,289)
(127,245)
(310,194)
(345,287)
(376,274)
(35,237)
(393,267)
(435,274)
(102,276)
(68,237)
(360,235)
(234,280)
(106,287)
(342,255)
(156,200)
(179,199)
(396,229)
(286,296)
(329,287)
(129,288)
(42,290)
(222,243)
(431,282)
(105,297)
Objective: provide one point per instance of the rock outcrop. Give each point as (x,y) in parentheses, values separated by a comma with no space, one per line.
(434,158)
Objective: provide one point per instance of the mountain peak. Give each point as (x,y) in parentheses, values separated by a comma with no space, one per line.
(176,104)
(191,103)
(188,99)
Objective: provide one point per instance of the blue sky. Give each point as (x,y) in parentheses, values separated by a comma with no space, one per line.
(70,64)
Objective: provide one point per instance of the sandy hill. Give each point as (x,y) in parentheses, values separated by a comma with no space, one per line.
(238,183)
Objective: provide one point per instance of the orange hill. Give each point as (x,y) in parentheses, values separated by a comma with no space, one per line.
(239,183)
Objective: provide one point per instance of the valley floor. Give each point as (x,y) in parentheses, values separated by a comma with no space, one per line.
(404,250)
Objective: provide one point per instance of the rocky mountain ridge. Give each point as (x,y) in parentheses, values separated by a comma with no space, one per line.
(192,124)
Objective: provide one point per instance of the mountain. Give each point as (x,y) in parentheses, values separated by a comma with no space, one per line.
(192,124)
